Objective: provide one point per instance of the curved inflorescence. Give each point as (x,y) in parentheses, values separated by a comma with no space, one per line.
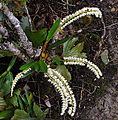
(18,76)
(82,61)
(61,84)
(78,14)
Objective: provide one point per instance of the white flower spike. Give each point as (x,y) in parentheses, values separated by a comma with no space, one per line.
(82,61)
(64,89)
(80,13)
(18,76)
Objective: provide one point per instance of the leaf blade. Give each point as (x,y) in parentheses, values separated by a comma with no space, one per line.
(43,66)
(53,30)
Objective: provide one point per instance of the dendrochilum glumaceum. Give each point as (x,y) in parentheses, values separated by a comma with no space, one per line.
(18,76)
(79,14)
(82,61)
(61,84)
(55,78)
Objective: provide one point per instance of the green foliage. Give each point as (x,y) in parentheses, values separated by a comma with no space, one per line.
(64,71)
(12,101)
(12,62)
(2,104)
(5,115)
(59,42)
(43,66)
(53,30)
(38,112)
(69,44)
(6,85)
(6,53)
(57,60)
(36,66)
(104,57)
(20,115)
(24,22)
(69,50)
(37,38)
(26,66)
(29,100)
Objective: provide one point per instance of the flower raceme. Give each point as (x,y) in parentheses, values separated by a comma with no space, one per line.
(82,61)
(61,84)
(79,14)
(18,76)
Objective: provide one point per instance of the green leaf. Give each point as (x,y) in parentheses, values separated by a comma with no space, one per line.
(28,99)
(24,100)
(6,86)
(20,102)
(68,45)
(64,72)
(24,22)
(12,63)
(6,53)
(2,104)
(53,30)
(59,42)
(43,66)
(12,100)
(36,38)
(104,57)
(20,115)
(57,60)
(28,65)
(36,66)
(38,112)
(5,115)
(44,114)
(10,66)
(75,52)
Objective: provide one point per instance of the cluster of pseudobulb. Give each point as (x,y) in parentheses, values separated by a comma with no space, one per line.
(61,84)
(82,61)
(18,76)
(78,14)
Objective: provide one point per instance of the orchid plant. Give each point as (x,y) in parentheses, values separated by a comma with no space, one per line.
(55,78)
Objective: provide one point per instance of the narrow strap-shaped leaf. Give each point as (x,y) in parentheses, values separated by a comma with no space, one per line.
(28,65)
(43,66)
(59,42)
(10,66)
(53,30)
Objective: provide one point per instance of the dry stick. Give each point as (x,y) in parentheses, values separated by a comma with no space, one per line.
(29,18)
(9,46)
(27,45)
(102,38)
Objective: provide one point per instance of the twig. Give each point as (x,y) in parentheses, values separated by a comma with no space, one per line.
(104,33)
(66,3)
(67,7)
(29,18)
(26,44)
(102,38)
(9,46)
